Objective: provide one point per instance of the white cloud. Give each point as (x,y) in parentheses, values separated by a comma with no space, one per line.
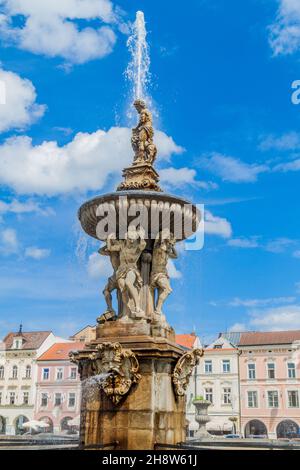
(288,141)
(279,245)
(276,319)
(166,145)
(214,225)
(296,254)
(285,31)
(18,207)
(237,302)
(50,27)
(179,177)
(293,165)
(8,242)
(244,242)
(232,169)
(83,164)
(173,272)
(98,266)
(237,327)
(37,253)
(20,108)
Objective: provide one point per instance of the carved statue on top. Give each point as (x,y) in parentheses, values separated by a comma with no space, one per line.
(164,248)
(142,136)
(128,277)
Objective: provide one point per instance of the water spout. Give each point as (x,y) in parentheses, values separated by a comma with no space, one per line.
(138,69)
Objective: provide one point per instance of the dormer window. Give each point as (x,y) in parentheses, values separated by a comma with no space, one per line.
(17,343)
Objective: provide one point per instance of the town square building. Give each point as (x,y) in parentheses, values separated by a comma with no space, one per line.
(269,365)
(216,379)
(58,388)
(18,376)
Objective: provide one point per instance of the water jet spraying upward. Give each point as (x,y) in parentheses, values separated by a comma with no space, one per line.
(138,68)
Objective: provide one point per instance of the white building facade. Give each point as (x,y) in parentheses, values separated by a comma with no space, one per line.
(216,379)
(18,377)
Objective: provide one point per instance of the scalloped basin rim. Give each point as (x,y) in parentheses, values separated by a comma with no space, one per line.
(140,194)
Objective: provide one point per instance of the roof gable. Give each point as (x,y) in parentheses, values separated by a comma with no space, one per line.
(31,339)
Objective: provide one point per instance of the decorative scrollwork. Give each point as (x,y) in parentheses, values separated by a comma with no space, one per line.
(119,366)
(183,370)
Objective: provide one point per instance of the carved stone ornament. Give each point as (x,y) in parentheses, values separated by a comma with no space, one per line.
(141,174)
(118,366)
(183,370)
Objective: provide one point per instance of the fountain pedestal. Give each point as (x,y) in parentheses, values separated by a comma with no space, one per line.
(150,413)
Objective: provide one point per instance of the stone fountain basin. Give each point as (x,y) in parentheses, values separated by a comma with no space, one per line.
(182,216)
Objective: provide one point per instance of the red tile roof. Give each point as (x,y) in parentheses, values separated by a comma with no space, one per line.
(269,337)
(187,341)
(31,339)
(60,351)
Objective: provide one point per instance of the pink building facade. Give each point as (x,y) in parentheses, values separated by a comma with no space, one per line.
(58,389)
(269,368)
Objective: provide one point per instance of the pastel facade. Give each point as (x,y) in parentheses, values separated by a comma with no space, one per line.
(18,375)
(58,388)
(270,383)
(216,379)
(85,335)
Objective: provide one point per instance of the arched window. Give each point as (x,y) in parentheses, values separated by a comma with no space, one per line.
(19,421)
(28,372)
(1,372)
(48,421)
(14,372)
(255,428)
(2,425)
(287,429)
(64,423)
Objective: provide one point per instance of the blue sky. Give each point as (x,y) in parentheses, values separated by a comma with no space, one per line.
(222,74)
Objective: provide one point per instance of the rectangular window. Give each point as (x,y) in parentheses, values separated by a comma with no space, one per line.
(252,399)
(293,398)
(71,402)
(271,370)
(1,372)
(58,399)
(291,370)
(25,398)
(208,367)
(273,401)
(226,366)
(12,398)
(226,396)
(73,374)
(209,394)
(59,373)
(44,399)
(45,374)
(0,398)
(251,371)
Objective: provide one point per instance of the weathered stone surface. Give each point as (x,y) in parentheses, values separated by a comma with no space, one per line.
(141,174)
(150,413)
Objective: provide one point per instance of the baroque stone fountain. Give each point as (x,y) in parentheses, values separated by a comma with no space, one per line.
(134,375)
